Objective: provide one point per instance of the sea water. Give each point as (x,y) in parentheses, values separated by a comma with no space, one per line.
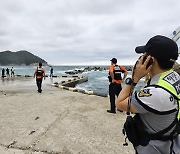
(97,80)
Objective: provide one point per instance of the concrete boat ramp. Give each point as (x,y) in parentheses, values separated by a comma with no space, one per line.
(62,82)
(57,121)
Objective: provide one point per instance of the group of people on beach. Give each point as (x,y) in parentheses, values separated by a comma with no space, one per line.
(39,74)
(8,73)
(154,127)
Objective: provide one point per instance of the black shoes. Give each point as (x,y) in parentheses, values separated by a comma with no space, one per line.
(39,91)
(119,110)
(109,111)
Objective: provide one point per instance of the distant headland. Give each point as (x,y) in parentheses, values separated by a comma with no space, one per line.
(22,57)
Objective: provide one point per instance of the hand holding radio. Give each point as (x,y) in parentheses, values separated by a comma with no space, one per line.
(142,67)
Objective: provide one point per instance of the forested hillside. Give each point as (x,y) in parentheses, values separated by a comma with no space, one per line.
(19,58)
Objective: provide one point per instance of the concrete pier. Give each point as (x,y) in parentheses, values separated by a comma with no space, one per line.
(57,121)
(71,83)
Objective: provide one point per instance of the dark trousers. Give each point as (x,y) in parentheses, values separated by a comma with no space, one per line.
(39,83)
(114,90)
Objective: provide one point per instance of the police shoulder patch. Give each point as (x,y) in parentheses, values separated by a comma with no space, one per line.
(144,93)
(174,79)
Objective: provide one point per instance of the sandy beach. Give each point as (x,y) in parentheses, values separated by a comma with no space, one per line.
(56,121)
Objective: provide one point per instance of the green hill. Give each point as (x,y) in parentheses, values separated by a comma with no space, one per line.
(19,58)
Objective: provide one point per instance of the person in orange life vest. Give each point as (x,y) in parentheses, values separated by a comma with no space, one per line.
(39,74)
(115,80)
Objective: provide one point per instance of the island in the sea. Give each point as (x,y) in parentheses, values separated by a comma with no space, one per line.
(22,57)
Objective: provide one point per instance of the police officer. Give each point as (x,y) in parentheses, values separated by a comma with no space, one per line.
(7,72)
(156,104)
(115,80)
(51,72)
(3,73)
(12,72)
(39,74)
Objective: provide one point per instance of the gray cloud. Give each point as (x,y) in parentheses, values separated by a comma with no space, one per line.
(84,32)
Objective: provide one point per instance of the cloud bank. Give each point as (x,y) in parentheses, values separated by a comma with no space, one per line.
(84,32)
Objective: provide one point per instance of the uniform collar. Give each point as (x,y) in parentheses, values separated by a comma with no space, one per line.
(155,78)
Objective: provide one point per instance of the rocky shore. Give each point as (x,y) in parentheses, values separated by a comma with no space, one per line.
(87,69)
(128,68)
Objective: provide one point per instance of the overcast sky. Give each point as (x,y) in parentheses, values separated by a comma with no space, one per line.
(84,32)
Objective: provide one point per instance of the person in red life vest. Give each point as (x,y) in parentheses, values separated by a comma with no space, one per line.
(39,74)
(115,80)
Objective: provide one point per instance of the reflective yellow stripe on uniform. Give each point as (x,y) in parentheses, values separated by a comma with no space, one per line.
(170,80)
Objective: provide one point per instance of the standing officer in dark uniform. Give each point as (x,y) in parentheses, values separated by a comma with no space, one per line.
(3,73)
(51,72)
(115,80)
(39,73)
(7,72)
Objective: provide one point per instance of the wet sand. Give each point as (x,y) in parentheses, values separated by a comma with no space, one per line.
(56,121)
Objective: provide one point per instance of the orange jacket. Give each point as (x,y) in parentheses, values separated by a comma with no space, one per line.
(123,70)
(39,72)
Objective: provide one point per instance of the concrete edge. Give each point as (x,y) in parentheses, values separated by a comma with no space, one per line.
(70,84)
(54,76)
